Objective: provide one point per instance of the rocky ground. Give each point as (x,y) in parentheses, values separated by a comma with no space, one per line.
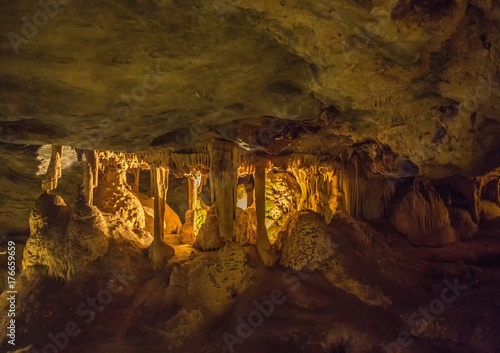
(373,289)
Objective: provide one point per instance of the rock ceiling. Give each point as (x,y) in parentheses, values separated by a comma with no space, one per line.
(417,78)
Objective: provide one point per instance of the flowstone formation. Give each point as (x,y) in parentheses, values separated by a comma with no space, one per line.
(422,217)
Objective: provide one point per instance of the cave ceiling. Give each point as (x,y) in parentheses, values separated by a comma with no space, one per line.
(419,78)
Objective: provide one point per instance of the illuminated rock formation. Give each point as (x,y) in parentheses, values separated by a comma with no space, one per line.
(172,221)
(304,241)
(209,237)
(53,171)
(62,240)
(196,215)
(283,195)
(224,160)
(266,251)
(113,195)
(211,283)
(159,251)
(366,196)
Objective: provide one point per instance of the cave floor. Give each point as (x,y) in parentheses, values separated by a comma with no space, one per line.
(314,315)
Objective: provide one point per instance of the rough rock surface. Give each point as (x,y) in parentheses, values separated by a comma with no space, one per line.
(211,283)
(187,234)
(209,238)
(304,241)
(418,76)
(113,195)
(422,217)
(283,195)
(65,244)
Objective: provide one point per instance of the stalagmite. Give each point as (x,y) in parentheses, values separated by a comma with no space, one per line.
(90,176)
(159,251)
(224,159)
(264,248)
(53,173)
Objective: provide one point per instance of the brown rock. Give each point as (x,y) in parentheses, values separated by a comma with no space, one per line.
(422,217)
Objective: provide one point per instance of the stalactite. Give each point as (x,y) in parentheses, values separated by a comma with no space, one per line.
(159,251)
(365,196)
(317,188)
(264,248)
(427,216)
(53,173)
(184,162)
(224,161)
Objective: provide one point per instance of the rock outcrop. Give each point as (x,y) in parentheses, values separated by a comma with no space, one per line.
(422,217)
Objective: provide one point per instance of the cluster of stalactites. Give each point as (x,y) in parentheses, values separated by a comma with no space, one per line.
(320,190)
(365,196)
(54,170)
(183,163)
(127,160)
(303,160)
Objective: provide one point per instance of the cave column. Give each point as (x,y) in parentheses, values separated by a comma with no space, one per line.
(137,174)
(224,160)
(53,173)
(159,251)
(90,175)
(194,188)
(264,247)
(249,189)
(194,184)
(159,182)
